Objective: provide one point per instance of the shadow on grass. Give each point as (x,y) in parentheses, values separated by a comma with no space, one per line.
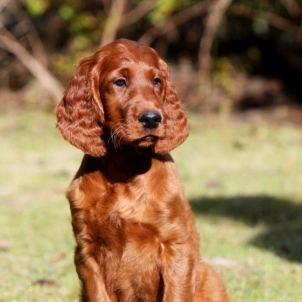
(282,218)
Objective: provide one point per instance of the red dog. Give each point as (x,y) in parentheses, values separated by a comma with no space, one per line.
(135,233)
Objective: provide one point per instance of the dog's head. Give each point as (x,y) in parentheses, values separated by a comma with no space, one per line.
(123,94)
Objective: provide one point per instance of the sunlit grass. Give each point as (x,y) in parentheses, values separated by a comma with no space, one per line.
(243,181)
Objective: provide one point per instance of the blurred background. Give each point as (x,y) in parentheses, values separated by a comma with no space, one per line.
(227,54)
(237,66)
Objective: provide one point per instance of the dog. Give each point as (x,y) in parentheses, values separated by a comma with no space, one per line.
(136,238)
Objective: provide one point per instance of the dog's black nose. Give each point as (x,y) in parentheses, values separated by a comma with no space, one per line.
(150,119)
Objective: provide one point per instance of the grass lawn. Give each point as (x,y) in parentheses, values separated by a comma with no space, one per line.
(244,182)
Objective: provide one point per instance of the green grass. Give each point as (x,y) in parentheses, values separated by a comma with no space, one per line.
(243,180)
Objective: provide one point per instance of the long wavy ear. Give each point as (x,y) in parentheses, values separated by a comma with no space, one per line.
(80,113)
(177,126)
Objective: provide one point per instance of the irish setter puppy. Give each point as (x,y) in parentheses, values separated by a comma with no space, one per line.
(135,233)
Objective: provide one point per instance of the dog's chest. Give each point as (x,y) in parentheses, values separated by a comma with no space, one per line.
(132,226)
(148,225)
(149,211)
(138,275)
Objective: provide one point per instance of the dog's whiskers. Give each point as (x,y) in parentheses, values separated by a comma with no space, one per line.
(117,136)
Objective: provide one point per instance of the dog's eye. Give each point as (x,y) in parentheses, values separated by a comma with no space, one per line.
(120,82)
(156,82)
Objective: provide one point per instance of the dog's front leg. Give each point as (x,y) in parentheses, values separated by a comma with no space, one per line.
(93,284)
(179,273)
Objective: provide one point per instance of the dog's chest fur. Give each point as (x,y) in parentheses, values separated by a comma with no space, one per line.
(133,225)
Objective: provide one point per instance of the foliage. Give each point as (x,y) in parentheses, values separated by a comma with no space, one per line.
(36,7)
(85,19)
(163,10)
(264,35)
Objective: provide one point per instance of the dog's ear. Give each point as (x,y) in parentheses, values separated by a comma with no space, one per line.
(80,113)
(177,126)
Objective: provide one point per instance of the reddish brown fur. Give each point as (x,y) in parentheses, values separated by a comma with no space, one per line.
(135,232)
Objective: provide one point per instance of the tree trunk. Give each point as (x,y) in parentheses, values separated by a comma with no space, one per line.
(212,22)
(113,21)
(45,77)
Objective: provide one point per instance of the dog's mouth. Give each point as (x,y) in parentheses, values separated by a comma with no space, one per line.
(146,141)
